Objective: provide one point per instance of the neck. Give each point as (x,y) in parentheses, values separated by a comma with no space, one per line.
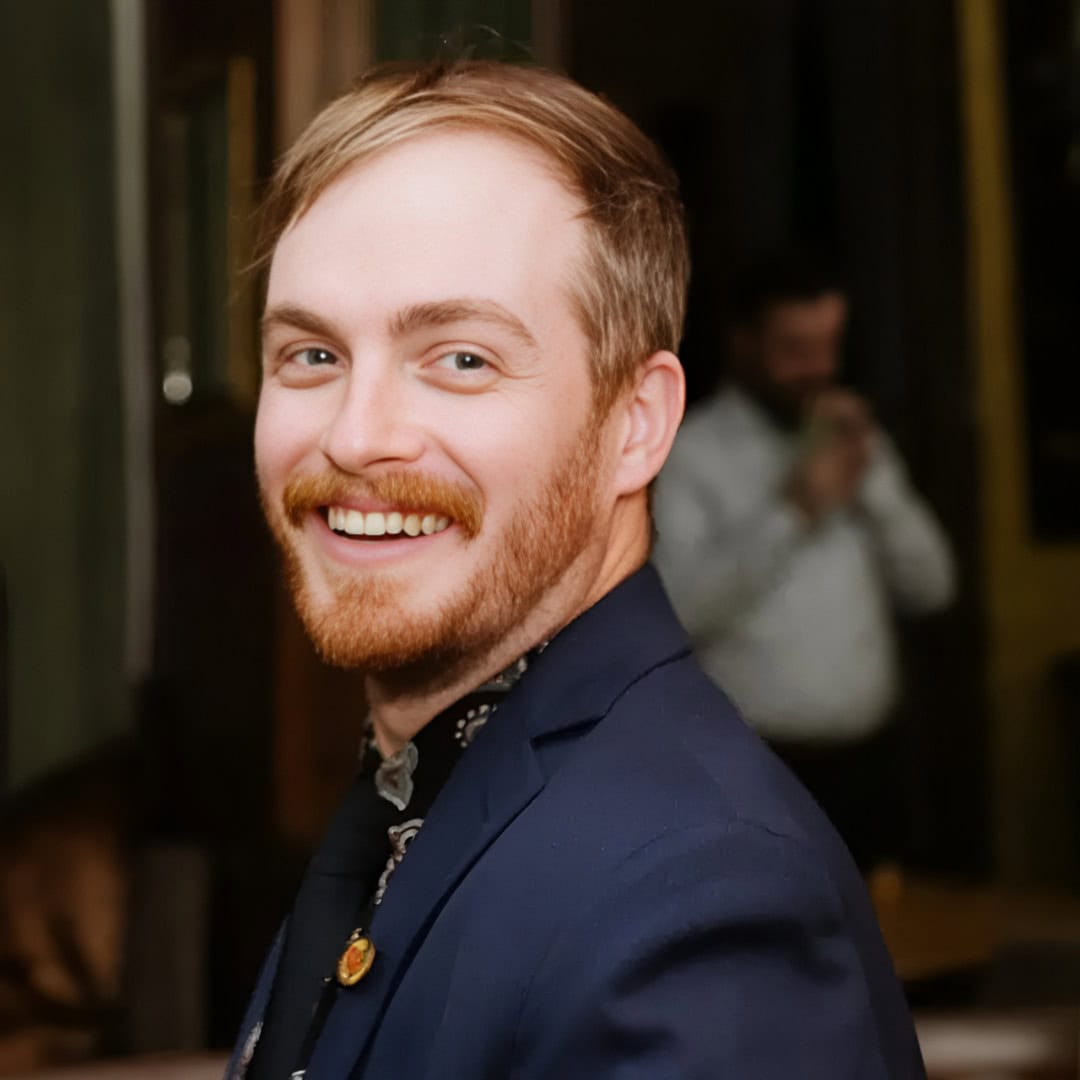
(400,713)
(403,703)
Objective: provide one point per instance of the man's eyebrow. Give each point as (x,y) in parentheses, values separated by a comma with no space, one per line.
(297,318)
(443,312)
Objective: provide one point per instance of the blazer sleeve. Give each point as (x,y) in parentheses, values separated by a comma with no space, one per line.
(716,953)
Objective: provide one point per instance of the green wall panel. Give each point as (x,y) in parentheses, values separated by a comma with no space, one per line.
(61,491)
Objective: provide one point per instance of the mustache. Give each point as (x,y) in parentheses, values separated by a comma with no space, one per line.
(417,492)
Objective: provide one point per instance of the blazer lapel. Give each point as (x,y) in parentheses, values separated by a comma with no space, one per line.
(494,781)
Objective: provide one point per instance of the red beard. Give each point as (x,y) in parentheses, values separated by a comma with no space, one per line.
(365,626)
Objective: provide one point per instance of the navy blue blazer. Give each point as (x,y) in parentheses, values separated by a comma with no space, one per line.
(619,880)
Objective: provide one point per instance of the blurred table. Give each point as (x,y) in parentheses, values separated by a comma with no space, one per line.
(1041,1045)
(154,1067)
(933,927)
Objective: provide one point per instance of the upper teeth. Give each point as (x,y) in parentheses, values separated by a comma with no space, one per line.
(376,523)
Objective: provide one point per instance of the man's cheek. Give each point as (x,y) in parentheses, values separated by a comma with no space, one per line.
(277,448)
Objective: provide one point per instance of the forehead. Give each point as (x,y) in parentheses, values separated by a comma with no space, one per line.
(459,213)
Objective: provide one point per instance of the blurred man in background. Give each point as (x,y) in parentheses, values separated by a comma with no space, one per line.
(788,531)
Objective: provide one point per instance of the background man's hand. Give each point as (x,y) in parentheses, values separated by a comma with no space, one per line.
(840,444)
(846,417)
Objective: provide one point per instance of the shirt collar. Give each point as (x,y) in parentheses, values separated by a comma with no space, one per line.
(446,735)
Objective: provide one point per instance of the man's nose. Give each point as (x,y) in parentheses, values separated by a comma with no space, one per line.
(374,422)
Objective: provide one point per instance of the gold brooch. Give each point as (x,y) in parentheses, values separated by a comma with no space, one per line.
(355,962)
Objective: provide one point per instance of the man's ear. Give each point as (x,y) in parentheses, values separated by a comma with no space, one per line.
(652,412)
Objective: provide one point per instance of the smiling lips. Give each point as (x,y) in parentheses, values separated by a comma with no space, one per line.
(377,523)
(400,505)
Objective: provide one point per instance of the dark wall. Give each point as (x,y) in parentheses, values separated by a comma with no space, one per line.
(1043,86)
(207,716)
(833,126)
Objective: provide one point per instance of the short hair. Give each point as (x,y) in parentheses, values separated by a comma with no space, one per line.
(630,294)
(783,277)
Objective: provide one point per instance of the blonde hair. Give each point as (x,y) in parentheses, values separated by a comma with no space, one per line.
(630,294)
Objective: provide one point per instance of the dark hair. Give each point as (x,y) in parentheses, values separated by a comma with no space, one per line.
(783,277)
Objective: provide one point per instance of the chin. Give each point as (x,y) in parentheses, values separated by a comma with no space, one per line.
(376,626)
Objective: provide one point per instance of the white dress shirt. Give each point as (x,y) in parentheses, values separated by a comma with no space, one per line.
(792,620)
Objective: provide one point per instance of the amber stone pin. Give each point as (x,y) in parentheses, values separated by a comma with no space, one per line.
(355,962)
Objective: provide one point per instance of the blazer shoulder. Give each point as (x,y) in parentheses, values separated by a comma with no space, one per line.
(677,733)
(703,942)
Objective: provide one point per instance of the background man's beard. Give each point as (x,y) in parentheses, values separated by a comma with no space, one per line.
(789,404)
(366,627)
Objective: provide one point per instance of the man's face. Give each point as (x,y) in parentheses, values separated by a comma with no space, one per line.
(426,382)
(795,353)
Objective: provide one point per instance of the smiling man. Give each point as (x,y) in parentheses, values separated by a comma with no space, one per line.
(563,855)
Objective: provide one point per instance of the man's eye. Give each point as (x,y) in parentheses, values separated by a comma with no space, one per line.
(462,361)
(313,357)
